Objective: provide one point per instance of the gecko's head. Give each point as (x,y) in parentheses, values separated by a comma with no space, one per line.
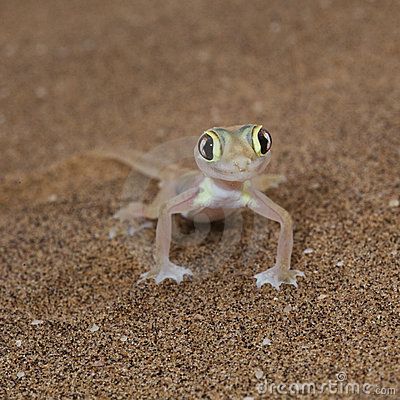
(236,153)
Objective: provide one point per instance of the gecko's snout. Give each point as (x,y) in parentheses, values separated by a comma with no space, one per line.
(242,164)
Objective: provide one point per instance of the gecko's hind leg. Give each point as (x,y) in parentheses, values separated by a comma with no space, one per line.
(136,213)
(268,181)
(130,212)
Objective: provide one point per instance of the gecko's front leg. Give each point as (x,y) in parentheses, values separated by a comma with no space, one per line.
(164,268)
(281,272)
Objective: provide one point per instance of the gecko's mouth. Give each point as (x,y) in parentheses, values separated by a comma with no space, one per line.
(238,174)
(250,169)
(233,171)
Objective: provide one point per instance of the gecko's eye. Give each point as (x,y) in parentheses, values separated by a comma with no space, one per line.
(209,146)
(262,141)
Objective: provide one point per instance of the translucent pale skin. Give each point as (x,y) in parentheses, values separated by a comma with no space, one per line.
(232,181)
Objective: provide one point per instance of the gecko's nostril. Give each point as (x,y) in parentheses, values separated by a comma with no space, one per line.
(242,164)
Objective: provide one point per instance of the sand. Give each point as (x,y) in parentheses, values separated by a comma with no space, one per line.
(322,76)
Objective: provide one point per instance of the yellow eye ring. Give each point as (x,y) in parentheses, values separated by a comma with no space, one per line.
(209,146)
(262,140)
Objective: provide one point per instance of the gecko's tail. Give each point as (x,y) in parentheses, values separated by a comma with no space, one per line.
(164,162)
(133,159)
(268,181)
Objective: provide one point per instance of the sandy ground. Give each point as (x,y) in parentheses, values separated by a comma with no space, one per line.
(322,76)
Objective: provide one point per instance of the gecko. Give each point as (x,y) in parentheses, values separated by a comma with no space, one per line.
(231,162)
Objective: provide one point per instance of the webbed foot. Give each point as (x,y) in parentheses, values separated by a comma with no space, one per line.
(130,231)
(168,270)
(130,212)
(134,216)
(275,276)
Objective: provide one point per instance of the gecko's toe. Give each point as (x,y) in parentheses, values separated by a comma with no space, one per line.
(276,277)
(133,230)
(266,277)
(120,230)
(174,272)
(169,271)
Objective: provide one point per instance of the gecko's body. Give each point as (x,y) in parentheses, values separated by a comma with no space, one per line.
(231,163)
(214,200)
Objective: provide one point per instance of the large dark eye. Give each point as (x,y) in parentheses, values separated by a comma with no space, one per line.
(264,140)
(206,144)
(210,147)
